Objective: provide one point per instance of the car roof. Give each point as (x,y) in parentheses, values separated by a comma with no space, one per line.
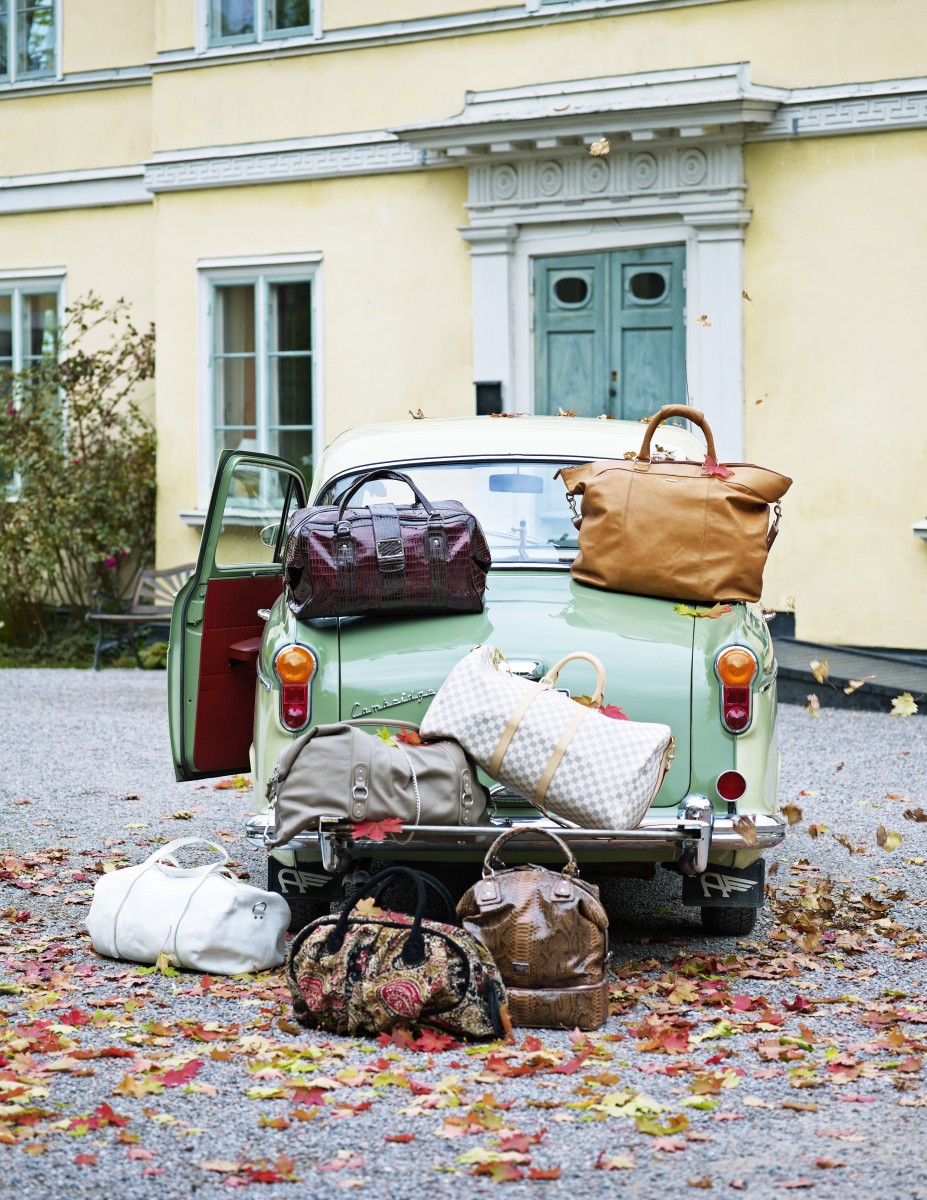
(564,438)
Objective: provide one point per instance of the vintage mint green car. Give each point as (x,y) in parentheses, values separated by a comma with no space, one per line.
(246,677)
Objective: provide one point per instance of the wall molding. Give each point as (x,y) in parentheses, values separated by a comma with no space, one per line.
(82,81)
(104,187)
(851,108)
(278,162)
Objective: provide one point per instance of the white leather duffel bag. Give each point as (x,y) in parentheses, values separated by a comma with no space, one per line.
(572,761)
(200,917)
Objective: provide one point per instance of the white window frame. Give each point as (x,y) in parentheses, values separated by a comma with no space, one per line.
(17,283)
(13,74)
(260,272)
(261,36)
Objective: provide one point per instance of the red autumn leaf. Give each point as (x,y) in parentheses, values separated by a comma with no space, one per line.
(799,1004)
(85,1160)
(108,1116)
(538,1173)
(398,1036)
(432,1042)
(401,1138)
(183,1075)
(311,1096)
(376,831)
(74,1016)
(715,469)
(409,736)
(612,710)
(138,1152)
(568,1068)
(829,1162)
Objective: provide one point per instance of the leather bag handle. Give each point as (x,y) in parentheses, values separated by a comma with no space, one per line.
(397,475)
(492,852)
(695,415)
(414,949)
(550,679)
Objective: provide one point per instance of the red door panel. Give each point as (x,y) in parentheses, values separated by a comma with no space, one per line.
(225,697)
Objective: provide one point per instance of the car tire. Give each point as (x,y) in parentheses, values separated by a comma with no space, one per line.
(302,912)
(728,922)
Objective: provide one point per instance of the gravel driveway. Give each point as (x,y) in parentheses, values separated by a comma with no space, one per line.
(793,1059)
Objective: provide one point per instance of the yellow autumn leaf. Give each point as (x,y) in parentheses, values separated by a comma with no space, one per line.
(599,147)
(856,684)
(820,669)
(792,813)
(814,704)
(888,839)
(903,706)
(703,321)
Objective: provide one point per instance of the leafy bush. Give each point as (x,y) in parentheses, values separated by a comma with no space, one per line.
(77,462)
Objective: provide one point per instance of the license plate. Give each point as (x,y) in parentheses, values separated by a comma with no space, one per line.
(726,887)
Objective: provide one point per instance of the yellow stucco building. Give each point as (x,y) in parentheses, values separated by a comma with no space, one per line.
(338,210)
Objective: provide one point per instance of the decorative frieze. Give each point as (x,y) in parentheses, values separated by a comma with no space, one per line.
(674,175)
(167,173)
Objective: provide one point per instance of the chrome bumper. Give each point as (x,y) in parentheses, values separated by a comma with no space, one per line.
(686,836)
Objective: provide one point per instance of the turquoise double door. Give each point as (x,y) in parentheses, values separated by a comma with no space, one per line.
(609,333)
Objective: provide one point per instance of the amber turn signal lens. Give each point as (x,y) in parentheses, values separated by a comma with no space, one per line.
(736,667)
(295,664)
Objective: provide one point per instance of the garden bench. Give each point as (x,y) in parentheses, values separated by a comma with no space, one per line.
(149,606)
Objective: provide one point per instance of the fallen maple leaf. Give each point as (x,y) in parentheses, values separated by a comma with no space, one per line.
(792,813)
(796,1183)
(614,1162)
(234,782)
(704,1182)
(829,1162)
(903,706)
(540,1173)
(710,467)
(400,1138)
(376,831)
(409,736)
(814,704)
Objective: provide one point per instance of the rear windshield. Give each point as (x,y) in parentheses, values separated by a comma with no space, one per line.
(522,508)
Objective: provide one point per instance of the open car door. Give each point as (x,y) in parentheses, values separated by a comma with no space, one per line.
(219,613)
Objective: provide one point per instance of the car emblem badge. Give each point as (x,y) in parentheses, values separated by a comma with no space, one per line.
(725,884)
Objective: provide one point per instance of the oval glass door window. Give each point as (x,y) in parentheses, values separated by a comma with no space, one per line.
(648,287)
(571,290)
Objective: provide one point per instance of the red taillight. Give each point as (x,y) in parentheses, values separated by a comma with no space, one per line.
(295,667)
(731,785)
(295,705)
(736,668)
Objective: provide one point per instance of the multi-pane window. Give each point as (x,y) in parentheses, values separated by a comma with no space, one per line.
(27,39)
(262,366)
(255,20)
(29,320)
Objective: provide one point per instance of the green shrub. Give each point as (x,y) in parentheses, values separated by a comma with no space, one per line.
(77,464)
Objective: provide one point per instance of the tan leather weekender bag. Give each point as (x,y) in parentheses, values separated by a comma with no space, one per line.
(686,530)
(548,934)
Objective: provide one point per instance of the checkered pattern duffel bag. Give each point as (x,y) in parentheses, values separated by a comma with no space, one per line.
(568,758)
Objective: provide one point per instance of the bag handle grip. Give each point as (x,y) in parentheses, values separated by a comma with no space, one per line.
(398,475)
(695,415)
(599,696)
(414,949)
(493,851)
(166,852)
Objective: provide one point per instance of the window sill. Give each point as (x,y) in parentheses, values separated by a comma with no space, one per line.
(919,529)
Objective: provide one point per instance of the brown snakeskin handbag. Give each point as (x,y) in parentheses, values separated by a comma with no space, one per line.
(403,558)
(548,933)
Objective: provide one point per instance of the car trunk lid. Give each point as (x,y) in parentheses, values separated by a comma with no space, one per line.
(390,668)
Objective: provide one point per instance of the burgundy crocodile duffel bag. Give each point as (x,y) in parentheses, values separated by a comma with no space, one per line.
(399,558)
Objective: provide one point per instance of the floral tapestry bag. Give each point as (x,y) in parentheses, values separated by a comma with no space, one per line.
(365,972)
